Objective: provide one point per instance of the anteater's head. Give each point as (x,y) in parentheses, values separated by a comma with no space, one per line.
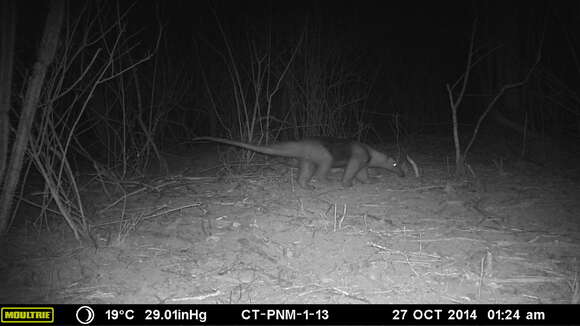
(381,160)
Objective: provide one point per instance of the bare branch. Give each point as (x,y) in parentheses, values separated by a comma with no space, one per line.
(498,96)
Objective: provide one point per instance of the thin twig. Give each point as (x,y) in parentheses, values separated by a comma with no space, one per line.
(134,193)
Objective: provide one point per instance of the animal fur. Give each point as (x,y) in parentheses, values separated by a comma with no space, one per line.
(319,155)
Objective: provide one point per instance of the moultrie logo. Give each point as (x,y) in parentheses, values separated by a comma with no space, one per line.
(27,315)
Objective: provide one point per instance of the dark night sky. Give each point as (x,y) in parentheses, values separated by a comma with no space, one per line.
(419,29)
(426,40)
(382,24)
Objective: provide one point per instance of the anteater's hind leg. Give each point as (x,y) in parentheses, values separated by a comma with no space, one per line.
(363,175)
(305,172)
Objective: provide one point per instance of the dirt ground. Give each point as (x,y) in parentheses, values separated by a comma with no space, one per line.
(208,234)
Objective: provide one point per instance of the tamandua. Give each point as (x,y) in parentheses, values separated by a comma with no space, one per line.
(320,154)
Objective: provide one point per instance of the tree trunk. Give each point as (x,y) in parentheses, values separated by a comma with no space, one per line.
(46,53)
(7,27)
